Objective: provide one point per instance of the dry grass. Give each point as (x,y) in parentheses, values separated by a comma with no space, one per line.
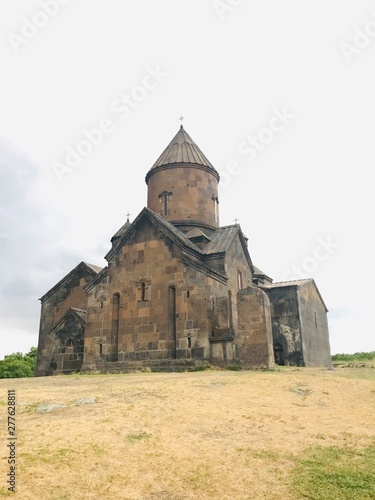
(201,435)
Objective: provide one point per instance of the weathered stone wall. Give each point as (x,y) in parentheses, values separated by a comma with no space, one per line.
(68,349)
(254,336)
(286,328)
(300,326)
(315,334)
(202,327)
(192,195)
(235,263)
(155,321)
(53,307)
(224,304)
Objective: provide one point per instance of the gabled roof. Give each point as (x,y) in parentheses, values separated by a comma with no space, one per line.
(165,226)
(222,239)
(196,233)
(121,231)
(260,274)
(300,282)
(97,279)
(191,254)
(90,268)
(80,314)
(96,269)
(197,236)
(182,149)
(297,284)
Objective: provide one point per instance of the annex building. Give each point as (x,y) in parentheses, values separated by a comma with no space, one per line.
(179,290)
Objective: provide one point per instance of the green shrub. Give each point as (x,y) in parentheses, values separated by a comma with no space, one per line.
(18,365)
(357,356)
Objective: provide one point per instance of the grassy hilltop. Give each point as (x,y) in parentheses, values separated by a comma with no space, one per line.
(293,433)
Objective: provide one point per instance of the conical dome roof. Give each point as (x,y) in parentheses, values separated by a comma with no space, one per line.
(182,149)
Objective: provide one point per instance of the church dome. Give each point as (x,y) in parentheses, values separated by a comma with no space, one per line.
(183,185)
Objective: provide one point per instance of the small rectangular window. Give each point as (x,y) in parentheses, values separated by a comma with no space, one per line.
(216,208)
(143,291)
(239,277)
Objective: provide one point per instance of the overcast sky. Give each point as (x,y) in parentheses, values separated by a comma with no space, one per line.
(278,95)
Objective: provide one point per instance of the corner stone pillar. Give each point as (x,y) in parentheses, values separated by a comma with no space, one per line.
(254,348)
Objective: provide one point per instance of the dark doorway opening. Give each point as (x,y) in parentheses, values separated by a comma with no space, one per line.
(279,354)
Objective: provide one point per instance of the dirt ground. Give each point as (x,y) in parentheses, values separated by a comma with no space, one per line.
(174,436)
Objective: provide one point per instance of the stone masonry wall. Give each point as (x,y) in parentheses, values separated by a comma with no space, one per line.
(147,328)
(315,335)
(193,193)
(69,294)
(286,328)
(254,335)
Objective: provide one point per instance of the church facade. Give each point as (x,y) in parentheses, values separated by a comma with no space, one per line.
(179,290)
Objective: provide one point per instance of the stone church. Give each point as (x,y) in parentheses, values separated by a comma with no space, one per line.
(179,290)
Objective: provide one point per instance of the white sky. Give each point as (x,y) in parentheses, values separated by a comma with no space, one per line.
(304,200)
